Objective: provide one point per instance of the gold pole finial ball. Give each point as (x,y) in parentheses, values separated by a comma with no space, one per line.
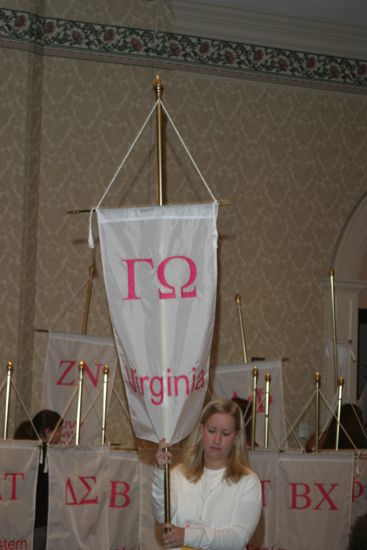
(340,381)
(332,272)
(238,299)
(267,377)
(157,86)
(81,365)
(255,372)
(9,365)
(317,376)
(106,369)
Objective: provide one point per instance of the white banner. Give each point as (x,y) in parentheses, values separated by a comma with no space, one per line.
(265,464)
(18,479)
(64,353)
(160,270)
(359,494)
(314,500)
(151,532)
(78,498)
(237,381)
(124,500)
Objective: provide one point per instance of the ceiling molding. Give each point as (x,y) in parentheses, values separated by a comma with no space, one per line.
(266,29)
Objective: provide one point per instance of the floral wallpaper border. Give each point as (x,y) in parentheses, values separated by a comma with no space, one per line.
(61,36)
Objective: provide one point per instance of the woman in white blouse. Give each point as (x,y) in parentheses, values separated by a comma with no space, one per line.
(215,497)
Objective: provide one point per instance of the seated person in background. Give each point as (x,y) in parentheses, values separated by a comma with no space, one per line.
(25,431)
(351,431)
(48,425)
(215,496)
(358,534)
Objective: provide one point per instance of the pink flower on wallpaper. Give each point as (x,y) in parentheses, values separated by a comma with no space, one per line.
(78,37)
(109,35)
(283,64)
(230,57)
(258,55)
(204,48)
(175,49)
(49,27)
(20,21)
(311,63)
(335,71)
(136,43)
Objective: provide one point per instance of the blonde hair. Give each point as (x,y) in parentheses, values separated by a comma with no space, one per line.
(192,465)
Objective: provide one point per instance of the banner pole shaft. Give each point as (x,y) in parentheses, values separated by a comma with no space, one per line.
(333,321)
(255,373)
(340,398)
(242,329)
(266,419)
(106,371)
(158,90)
(317,415)
(88,298)
(9,368)
(79,405)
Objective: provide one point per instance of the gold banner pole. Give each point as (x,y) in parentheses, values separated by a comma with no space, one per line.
(79,405)
(255,373)
(106,370)
(333,321)
(92,270)
(317,379)
(242,330)
(340,398)
(158,90)
(9,368)
(167,494)
(267,400)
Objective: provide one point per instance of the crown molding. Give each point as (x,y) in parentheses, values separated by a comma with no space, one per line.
(263,28)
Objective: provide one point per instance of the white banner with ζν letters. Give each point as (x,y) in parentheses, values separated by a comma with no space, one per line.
(237,381)
(160,271)
(78,497)
(64,353)
(18,480)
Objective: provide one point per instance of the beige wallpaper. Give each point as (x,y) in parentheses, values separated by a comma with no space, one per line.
(291,161)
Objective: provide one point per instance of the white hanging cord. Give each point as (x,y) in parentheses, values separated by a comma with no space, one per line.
(86,413)
(120,401)
(292,427)
(24,407)
(187,151)
(69,304)
(90,236)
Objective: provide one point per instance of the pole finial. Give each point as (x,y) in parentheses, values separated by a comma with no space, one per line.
(158,87)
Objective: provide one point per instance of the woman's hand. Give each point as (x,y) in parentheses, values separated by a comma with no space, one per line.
(173,536)
(163,456)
